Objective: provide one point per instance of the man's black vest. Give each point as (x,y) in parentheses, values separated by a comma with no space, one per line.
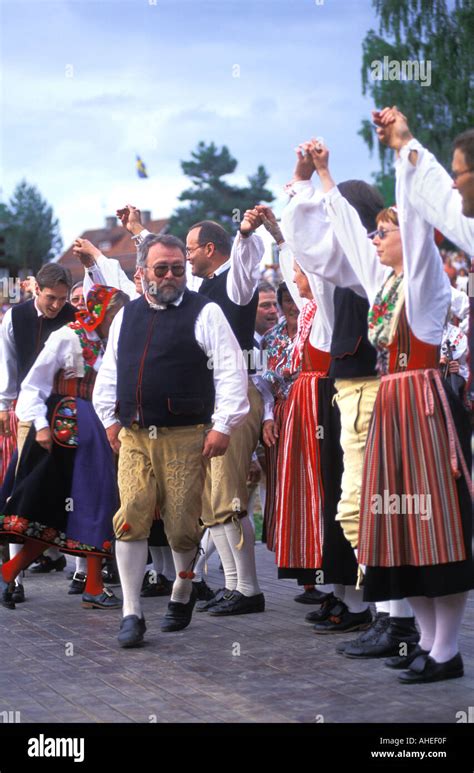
(163,379)
(31,331)
(240,318)
(352,356)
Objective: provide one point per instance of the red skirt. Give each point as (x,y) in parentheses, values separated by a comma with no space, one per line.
(410,512)
(299,497)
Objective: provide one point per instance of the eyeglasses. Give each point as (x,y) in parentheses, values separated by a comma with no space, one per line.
(189,250)
(382,232)
(457,175)
(161,270)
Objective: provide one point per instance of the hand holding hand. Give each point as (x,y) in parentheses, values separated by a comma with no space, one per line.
(392,127)
(270,222)
(130,217)
(250,222)
(86,252)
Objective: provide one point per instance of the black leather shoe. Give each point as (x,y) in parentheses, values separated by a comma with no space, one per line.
(204,592)
(131,631)
(156,585)
(46,565)
(400,661)
(344,622)
(105,600)
(238,604)
(18,593)
(78,584)
(425,669)
(110,574)
(370,635)
(313,596)
(6,593)
(318,615)
(399,631)
(179,615)
(220,595)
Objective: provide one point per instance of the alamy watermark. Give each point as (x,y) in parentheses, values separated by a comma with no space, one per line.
(402,504)
(387,69)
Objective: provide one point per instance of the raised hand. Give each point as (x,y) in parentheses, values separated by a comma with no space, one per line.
(130,217)
(86,252)
(304,163)
(319,155)
(250,222)
(391,127)
(270,222)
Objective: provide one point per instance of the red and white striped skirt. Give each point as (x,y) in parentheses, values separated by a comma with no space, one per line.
(299,494)
(410,513)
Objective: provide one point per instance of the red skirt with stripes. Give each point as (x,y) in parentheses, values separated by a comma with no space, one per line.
(410,509)
(299,494)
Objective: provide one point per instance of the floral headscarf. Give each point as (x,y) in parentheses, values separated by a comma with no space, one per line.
(98,301)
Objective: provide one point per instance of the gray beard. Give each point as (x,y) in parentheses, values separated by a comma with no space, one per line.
(165,295)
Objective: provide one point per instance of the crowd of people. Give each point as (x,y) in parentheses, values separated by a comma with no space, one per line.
(139,418)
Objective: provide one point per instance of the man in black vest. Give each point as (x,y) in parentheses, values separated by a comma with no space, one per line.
(230,275)
(169,401)
(23,333)
(229,278)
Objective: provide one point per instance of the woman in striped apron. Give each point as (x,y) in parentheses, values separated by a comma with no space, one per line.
(415,522)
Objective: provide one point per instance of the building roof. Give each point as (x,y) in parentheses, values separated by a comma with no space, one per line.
(115,242)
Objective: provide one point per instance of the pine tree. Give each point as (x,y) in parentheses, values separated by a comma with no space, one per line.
(32,234)
(211,197)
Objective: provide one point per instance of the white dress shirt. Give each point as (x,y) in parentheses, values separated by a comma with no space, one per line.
(430,192)
(62,351)
(8,361)
(326,234)
(215,337)
(108,271)
(323,293)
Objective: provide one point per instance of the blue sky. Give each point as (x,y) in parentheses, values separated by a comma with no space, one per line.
(87,84)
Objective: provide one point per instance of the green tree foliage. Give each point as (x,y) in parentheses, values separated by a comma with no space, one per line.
(427,31)
(211,197)
(31,231)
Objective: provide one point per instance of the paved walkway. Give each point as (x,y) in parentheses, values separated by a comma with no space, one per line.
(61,663)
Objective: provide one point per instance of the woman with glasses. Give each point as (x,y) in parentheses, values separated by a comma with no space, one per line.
(415,521)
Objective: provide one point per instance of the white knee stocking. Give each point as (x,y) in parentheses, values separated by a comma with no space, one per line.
(244,558)
(182,587)
(424,610)
(449,611)
(131,561)
(221,542)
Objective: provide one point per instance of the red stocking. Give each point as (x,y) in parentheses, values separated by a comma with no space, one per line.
(94,582)
(13,567)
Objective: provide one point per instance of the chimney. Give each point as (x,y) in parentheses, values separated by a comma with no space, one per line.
(110,222)
(146,216)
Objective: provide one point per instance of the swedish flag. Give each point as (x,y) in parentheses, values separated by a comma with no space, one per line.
(141,168)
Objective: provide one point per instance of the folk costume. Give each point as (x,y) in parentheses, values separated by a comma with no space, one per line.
(58,499)
(156,382)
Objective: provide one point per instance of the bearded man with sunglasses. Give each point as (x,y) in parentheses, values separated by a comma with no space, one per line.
(168,410)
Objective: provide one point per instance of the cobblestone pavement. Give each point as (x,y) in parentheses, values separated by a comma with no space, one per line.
(61,663)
